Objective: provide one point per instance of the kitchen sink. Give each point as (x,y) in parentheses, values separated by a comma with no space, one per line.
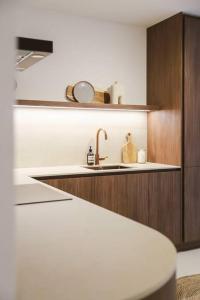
(110,167)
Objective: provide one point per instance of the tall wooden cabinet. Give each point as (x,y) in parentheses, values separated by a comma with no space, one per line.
(165,204)
(173,81)
(192,92)
(165,88)
(192,129)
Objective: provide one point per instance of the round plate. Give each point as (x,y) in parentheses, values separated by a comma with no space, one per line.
(83,92)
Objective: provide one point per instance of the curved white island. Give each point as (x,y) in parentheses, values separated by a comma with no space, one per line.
(74,250)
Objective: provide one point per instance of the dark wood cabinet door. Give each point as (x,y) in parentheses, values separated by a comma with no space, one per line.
(164,88)
(152,199)
(110,193)
(192,204)
(137,197)
(192,92)
(165,204)
(81,187)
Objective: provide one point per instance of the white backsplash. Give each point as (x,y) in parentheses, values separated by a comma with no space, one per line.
(50,137)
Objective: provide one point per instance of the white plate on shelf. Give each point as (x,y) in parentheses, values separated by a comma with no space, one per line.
(83,92)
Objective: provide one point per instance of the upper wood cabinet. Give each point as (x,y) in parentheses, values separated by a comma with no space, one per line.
(164,87)
(192,92)
(173,83)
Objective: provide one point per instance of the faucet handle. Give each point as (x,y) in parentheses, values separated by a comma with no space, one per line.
(103,158)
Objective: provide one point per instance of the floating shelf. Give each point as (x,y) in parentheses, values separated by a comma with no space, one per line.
(62,104)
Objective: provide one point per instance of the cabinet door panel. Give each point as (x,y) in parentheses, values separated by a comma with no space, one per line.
(192,204)
(137,197)
(192,92)
(81,187)
(164,88)
(110,193)
(165,204)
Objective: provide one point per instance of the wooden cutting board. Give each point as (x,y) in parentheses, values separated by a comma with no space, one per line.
(129,151)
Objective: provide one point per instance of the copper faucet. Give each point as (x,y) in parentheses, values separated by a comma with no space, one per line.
(97,158)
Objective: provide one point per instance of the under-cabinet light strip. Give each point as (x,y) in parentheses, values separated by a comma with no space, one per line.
(82,108)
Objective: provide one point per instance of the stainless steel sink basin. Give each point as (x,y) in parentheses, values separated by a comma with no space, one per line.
(113,167)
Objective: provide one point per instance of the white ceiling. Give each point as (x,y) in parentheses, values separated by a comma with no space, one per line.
(138,12)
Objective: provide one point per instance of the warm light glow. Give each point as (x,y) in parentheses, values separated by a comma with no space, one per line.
(37,56)
(45,136)
(20,69)
(82,108)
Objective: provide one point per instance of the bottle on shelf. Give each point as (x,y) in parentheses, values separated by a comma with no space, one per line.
(116,92)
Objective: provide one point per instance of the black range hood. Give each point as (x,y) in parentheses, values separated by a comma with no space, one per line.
(30,51)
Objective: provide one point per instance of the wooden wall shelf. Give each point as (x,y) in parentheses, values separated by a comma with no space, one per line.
(60,104)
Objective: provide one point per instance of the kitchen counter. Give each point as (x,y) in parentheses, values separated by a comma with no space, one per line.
(20,174)
(71,250)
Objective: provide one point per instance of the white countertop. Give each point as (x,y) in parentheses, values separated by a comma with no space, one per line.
(20,174)
(71,250)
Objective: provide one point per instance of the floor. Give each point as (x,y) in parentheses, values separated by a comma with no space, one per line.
(188,263)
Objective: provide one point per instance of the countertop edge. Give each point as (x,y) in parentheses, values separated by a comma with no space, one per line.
(173,267)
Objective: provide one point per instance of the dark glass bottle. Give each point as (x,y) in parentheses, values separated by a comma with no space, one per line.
(90,157)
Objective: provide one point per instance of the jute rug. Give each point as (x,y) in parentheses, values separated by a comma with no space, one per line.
(188,288)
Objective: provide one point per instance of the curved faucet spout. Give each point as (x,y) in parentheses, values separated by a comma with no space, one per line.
(97,158)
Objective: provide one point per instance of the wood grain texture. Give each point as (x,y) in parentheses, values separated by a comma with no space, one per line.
(63,104)
(110,193)
(137,197)
(185,246)
(81,187)
(164,88)
(165,204)
(192,92)
(149,198)
(129,150)
(192,204)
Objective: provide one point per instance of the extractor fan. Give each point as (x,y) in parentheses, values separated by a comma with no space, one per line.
(30,51)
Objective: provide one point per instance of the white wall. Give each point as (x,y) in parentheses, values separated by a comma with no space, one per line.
(50,137)
(84,49)
(6,152)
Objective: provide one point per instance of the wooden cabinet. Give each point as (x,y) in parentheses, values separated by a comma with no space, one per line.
(110,193)
(164,88)
(78,186)
(192,204)
(192,92)
(165,205)
(153,198)
(137,204)
(173,83)
(191,148)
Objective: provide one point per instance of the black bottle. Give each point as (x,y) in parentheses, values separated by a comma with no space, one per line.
(90,157)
